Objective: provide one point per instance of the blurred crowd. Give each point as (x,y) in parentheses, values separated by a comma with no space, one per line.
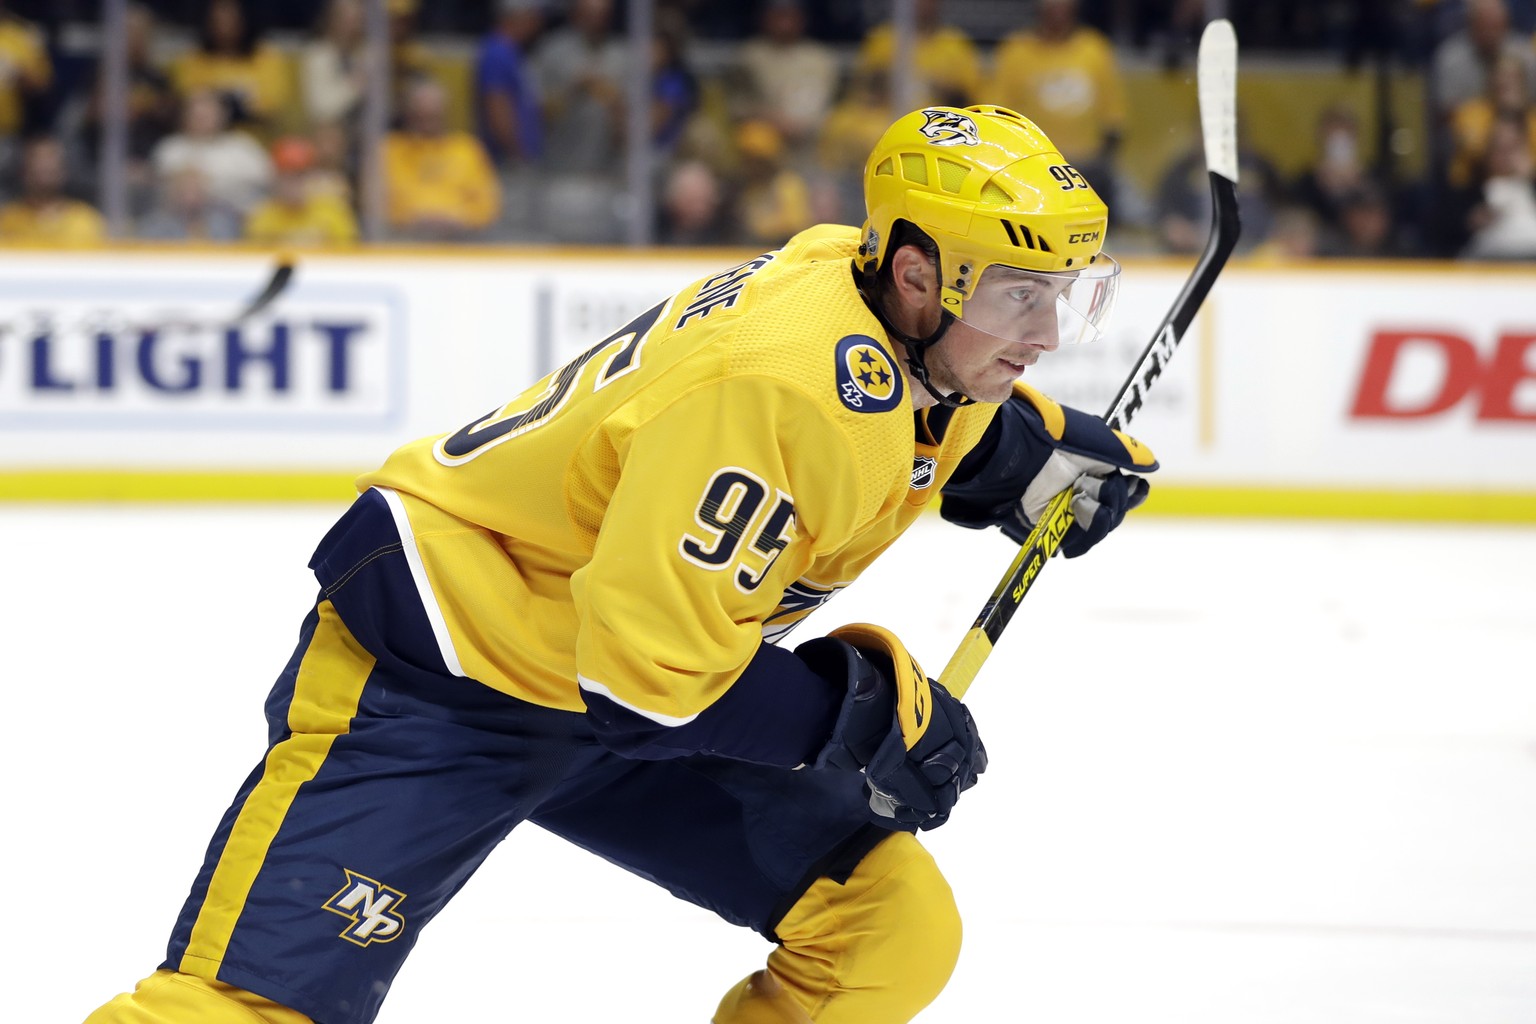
(506,120)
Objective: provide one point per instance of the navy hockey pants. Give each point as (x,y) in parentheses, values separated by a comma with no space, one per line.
(388,781)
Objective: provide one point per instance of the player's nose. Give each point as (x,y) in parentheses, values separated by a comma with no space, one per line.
(1045,331)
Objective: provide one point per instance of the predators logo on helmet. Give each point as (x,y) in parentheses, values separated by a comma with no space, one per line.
(948,128)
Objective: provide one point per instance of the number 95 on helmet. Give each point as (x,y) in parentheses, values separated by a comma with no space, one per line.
(1016,225)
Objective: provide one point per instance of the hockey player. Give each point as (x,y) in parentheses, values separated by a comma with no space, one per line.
(571,611)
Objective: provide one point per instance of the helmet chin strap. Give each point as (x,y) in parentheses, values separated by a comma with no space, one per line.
(917,348)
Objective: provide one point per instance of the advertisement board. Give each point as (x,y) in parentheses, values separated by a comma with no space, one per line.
(1321,379)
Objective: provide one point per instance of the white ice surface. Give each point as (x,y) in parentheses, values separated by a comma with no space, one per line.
(1258,773)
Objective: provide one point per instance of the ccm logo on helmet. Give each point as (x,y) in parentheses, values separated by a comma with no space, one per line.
(1083,236)
(948,128)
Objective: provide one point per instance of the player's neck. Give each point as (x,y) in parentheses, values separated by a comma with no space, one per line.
(921,398)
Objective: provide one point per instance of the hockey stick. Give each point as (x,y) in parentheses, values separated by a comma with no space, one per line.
(1216,78)
(278,283)
(274,287)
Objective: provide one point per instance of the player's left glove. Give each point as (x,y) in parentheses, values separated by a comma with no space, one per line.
(917,745)
(1044,449)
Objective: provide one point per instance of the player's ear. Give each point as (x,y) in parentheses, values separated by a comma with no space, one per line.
(915,277)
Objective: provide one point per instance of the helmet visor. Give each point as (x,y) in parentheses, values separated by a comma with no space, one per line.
(1044,309)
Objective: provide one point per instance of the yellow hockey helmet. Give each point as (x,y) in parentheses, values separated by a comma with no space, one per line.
(988,186)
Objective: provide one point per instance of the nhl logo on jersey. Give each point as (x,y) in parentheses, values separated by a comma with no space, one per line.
(867,380)
(948,128)
(922,471)
(370,907)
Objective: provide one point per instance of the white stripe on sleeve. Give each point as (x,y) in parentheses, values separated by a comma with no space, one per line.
(419,575)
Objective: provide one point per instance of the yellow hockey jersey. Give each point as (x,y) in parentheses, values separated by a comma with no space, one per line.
(640,521)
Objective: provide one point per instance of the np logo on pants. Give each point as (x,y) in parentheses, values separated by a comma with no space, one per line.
(370,906)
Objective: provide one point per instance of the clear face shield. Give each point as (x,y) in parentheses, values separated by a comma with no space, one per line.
(1045,310)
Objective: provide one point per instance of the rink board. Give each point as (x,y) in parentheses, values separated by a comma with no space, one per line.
(1394,390)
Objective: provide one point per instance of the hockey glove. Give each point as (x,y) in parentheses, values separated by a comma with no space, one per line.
(917,745)
(1045,448)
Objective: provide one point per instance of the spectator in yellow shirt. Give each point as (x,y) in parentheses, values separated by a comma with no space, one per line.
(231,60)
(439,184)
(44,215)
(774,201)
(25,70)
(1062,75)
(841,142)
(847,136)
(296,214)
(945,60)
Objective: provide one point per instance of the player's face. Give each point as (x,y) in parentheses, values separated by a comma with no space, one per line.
(981,365)
(1010,321)
(1013,317)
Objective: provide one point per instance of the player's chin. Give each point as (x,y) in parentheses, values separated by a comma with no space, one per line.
(997,385)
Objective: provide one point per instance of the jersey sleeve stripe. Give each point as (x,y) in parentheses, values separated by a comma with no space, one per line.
(670,721)
(419,575)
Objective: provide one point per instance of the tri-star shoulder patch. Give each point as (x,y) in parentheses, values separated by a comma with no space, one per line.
(867,380)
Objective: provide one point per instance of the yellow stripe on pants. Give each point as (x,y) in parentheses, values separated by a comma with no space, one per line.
(330,683)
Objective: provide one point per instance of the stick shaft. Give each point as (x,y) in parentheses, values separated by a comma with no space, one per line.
(1217,88)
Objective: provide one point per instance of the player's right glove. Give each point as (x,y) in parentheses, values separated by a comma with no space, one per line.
(1044,448)
(917,745)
